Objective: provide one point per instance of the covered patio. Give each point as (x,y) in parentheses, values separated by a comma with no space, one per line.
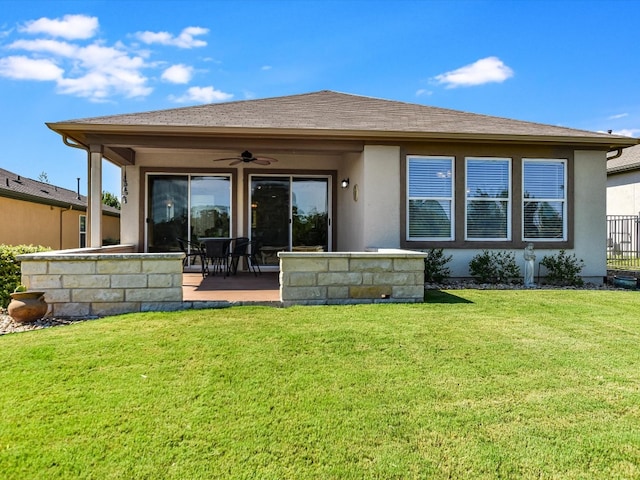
(242,288)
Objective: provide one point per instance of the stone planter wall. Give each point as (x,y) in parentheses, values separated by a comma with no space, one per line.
(81,284)
(384,275)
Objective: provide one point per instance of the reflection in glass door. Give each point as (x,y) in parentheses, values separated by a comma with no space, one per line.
(188,207)
(289,213)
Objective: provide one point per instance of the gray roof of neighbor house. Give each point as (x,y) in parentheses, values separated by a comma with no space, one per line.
(629,160)
(18,187)
(328,114)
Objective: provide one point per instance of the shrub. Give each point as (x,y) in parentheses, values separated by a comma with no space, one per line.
(494,267)
(10,269)
(563,269)
(435,269)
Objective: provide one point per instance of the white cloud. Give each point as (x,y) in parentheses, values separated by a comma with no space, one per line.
(178,74)
(485,70)
(55,47)
(71,27)
(627,132)
(203,95)
(25,68)
(184,40)
(616,117)
(423,92)
(265,68)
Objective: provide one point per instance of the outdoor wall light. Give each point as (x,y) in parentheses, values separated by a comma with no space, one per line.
(344,183)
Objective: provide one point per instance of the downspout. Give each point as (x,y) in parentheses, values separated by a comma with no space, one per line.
(61,212)
(616,155)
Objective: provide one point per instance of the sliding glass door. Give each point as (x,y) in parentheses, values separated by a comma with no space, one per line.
(189,207)
(289,213)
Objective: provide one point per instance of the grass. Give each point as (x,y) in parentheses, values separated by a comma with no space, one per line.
(474,384)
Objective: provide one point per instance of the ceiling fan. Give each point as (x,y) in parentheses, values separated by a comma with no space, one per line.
(247,157)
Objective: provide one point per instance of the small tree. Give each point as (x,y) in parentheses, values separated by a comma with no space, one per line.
(435,269)
(563,269)
(494,267)
(111,200)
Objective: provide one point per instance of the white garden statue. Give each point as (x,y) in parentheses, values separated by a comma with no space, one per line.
(529,265)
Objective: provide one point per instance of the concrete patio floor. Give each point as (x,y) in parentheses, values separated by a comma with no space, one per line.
(244,287)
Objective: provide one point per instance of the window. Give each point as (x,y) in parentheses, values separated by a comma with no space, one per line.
(488,199)
(544,202)
(430,200)
(83,231)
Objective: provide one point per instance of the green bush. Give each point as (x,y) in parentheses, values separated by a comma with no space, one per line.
(435,269)
(494,267)
(563,269)
(10,269)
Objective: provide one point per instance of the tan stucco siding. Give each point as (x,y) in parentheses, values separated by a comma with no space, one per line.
(27,223)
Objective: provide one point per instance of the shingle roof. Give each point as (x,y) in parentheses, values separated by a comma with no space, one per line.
(328,111)
(16,186)
(629,160)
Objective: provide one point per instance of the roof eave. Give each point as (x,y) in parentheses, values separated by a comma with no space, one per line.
(79,131)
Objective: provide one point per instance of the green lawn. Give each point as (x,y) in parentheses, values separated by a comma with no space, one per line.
(474,384)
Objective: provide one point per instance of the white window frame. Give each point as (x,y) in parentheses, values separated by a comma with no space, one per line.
(507,200)
(564,200)
(451,198)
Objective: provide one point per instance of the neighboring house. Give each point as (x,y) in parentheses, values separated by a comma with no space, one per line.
(38,213)
(415,177)
(623,183)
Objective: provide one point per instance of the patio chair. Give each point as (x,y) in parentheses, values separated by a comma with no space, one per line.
(217,251)
(192,251)
(243,248)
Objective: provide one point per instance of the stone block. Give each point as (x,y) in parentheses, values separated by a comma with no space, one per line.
(371,265)
(57,295)
(130,280)
(33,268)
(162,266)
(108,267)
(302,293)
(160,280)
(71,309)
(341,292)
(370,291)
(91,295)
(71,267)
(339,264)
(409,291)
(43,282)
(153,294)
(394,278)
(301,279)
(408,264)
(305,264)
(86,281)
(340,278)
(104,309)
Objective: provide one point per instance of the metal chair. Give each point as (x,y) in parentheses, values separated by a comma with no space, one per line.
(244,248)
(192,251)
(217,251)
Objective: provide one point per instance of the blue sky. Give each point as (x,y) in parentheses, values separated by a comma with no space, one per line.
(562,62)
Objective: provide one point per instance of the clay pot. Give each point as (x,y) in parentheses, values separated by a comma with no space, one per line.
(27,306)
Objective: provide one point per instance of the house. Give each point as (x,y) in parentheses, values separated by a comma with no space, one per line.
(328,171)
(38,213)
(623,182)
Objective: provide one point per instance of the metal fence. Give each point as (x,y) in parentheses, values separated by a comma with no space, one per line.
(623,236)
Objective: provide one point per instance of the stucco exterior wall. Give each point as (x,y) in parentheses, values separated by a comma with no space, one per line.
(623,193)
(380,195)
(28,223)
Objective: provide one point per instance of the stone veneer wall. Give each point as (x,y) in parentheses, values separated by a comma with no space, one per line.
(78,283)
(384,275)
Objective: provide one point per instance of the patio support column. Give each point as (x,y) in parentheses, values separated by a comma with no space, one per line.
(94,201)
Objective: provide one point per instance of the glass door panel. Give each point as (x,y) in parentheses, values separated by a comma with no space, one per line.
(168,212)
(310,214)
(270,214)
(210,207)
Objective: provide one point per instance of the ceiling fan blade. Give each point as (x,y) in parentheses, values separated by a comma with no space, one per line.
(226,159)
(266,159)
(236,161)
(261,161)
